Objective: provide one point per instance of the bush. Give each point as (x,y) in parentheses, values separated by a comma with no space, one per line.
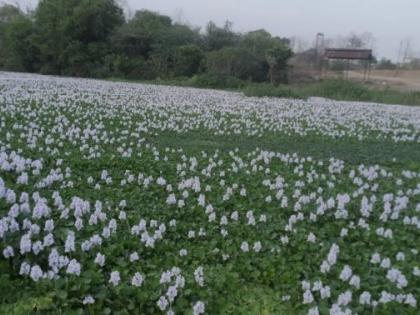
(261,90)
(339,89)
(215,81)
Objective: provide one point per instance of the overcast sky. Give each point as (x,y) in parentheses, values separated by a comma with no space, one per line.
(390,21)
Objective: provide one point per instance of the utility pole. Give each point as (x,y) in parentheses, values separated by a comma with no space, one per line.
(319,48)
(403,54)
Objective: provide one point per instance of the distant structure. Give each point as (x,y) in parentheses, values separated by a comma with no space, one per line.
(349,55)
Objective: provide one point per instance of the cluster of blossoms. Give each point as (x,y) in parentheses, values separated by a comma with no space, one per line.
(160,107)
(176,282)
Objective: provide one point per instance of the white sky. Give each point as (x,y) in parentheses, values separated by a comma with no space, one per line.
(390,21)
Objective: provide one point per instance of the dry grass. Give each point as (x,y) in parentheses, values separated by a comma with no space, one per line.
(404,80)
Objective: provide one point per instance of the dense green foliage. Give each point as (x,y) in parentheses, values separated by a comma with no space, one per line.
(92,38)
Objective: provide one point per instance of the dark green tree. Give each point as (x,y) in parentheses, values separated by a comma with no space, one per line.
(277,58)
(232,61)
(188,59)
(218,37)
(258,42)
(92,38)
(154,38)
(72,35)
(137,36)
(8,12)
(17,52)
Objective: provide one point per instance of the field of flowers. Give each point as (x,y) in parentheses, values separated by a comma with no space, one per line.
(120,198)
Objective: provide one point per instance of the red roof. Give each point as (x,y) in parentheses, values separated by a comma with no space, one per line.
(351,54)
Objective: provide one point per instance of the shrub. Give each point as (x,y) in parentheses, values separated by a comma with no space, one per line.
(261,90)
(215,81)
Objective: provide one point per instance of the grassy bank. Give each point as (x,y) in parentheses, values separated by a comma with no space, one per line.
(338,90)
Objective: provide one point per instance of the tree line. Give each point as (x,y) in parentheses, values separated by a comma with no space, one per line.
(93,38)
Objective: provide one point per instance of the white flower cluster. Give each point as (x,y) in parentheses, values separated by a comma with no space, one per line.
(172,290)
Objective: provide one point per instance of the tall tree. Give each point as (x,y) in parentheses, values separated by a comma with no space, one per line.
(188,59)
(16,30)
(72,35)
(218,37)
(137,36)
(92,38)
(155,38)
(277,58)
(232,61)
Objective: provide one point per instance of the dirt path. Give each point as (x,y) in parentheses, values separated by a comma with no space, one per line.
(403,80)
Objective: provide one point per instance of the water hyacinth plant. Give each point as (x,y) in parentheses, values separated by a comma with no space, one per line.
(120,198)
